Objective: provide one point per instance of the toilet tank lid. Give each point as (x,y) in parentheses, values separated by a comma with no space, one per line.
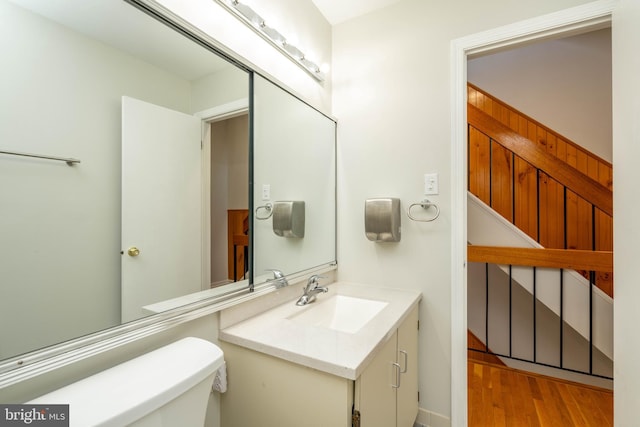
(131,390)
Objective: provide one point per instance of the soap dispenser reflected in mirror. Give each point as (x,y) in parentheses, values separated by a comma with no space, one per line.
(288,219)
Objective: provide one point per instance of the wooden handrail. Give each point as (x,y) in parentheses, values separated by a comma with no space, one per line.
(537,123)
(600,261)
(584,186)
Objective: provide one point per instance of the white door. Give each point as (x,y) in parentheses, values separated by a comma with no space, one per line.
(161,205)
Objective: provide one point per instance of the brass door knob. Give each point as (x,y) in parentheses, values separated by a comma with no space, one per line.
(133,251)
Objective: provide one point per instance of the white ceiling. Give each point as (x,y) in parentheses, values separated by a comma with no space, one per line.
(337,11)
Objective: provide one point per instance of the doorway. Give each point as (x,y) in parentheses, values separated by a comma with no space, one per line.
(579,19)
(555,97)
(225,193)
(229,199)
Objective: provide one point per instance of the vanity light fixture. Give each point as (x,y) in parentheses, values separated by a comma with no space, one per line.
(254,21)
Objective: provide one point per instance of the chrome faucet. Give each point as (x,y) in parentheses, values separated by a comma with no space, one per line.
(278,278)
(312,289)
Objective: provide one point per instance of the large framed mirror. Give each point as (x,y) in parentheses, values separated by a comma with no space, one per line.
(158,213)
(294,152)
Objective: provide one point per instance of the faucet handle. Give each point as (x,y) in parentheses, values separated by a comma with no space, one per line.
(315,278)
(278,277)
(277,274)
(313,282)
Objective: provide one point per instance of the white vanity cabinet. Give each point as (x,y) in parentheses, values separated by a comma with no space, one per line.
(268,391)
(386,394)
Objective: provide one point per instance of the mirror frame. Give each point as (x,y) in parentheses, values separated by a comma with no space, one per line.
(29,365)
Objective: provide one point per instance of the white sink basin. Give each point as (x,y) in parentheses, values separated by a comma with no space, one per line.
(339,312)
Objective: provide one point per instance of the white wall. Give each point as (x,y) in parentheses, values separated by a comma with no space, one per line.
(564,84)
(391,97)
(219,88)
(63,101)
(626,152)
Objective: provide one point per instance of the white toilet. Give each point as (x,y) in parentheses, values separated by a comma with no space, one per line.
(166,387)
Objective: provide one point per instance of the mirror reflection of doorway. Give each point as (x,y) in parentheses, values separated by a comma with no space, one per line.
(229,199)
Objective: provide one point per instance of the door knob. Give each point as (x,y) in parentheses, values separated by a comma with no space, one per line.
(133,251)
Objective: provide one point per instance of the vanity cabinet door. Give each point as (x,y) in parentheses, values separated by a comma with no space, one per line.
(265,391)
(388,388)
(377,396)
(407,393)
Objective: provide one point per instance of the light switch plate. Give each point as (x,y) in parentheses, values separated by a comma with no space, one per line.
(431,184)
(266,191)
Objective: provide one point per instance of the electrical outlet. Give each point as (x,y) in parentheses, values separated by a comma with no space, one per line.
(431,184)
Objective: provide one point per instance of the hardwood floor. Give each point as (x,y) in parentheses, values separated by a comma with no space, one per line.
(474,343)
(501,396)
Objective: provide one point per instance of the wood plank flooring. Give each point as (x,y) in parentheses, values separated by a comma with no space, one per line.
(501,396)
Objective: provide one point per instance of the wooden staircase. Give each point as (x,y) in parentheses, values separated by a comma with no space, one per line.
(552,189)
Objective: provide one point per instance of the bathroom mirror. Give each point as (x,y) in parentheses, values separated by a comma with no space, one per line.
(64,229)
(296,163)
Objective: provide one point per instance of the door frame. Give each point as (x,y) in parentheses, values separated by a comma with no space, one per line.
(564,23)
(218,113)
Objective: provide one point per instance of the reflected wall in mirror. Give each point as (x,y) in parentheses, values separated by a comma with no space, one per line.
(295,154)
(66,68)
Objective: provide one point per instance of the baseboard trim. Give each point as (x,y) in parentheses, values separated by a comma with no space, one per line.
(431,419)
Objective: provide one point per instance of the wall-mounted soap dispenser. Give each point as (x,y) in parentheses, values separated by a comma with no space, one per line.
(288,219)
(382,219)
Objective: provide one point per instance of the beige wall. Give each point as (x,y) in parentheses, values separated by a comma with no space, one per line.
(391,95)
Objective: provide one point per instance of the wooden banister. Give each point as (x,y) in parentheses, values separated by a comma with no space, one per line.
(600,261)
(586,187)
(500,109)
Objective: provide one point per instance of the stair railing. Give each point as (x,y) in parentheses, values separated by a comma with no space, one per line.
(504,310)
(544,196)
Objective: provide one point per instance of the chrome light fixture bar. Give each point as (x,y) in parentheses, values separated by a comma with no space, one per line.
(254,21)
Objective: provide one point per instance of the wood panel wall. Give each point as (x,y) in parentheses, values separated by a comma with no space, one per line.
(554,143)
(538,204)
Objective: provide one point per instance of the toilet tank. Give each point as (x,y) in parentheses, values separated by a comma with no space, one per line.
(169,386)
